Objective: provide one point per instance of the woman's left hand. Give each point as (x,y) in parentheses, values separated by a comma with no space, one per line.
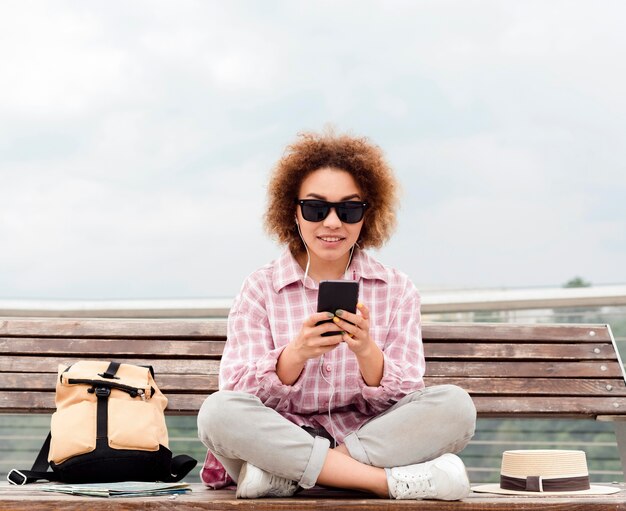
(356,328)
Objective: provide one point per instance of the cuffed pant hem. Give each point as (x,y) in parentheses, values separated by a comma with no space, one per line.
(316,462)
(353,444)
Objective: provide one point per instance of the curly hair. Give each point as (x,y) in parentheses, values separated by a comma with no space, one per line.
(357,156)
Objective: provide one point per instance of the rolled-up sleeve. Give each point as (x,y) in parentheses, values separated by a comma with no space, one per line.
(403,352)
(250,355)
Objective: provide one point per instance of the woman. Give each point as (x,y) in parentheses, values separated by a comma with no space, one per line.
(297,409)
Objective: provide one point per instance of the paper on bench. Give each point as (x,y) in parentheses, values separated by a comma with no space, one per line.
(123,489)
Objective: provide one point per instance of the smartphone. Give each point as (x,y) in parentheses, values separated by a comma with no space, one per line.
(337,294)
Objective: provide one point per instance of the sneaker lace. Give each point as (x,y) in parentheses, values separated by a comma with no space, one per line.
(415,485)
(281,485)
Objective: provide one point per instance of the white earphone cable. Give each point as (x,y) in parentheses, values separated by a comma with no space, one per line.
(305,302)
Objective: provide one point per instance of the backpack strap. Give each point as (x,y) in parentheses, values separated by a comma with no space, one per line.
(180,467)
(109,374)
(38,471)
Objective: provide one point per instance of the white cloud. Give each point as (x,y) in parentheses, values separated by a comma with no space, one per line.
(50,64)
(136,139)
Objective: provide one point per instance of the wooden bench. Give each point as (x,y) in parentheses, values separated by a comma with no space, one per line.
(511,371)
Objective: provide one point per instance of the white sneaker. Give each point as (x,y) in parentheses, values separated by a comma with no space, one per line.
(443,478)
(254,483)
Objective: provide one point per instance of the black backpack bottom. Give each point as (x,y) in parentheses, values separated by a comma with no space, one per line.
(106,465)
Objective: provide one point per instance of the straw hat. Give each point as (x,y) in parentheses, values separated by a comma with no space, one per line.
(544,472)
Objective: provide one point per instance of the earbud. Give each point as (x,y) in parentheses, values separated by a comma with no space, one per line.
(297,223)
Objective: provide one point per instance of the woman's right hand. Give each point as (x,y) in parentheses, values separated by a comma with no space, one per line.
(308,344)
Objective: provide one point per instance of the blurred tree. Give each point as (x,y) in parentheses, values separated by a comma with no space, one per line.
(577,282)
(576,314)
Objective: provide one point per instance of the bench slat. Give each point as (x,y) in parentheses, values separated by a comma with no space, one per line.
(580,351)
(156,328)
(151,329)
(166,382)
(177,383)
(563,406)
(316,499)
(554,369)
(170,348)
(537,386)
(28,364)
(43,402)
(500,332)
(181,347)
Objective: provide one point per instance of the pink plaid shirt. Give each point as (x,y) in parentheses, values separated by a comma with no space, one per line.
(268,314)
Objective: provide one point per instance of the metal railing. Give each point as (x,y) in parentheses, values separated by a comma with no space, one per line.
(435,303)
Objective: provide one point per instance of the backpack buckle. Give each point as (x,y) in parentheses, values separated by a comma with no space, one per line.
(103,391)
(17,478)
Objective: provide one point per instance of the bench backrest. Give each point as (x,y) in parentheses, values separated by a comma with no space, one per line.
(535,370)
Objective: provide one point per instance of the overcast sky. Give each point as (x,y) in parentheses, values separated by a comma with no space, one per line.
(136,137)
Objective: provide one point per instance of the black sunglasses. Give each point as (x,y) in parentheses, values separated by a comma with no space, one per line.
(350,212)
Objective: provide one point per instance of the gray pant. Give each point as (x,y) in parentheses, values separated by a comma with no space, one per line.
(237,427)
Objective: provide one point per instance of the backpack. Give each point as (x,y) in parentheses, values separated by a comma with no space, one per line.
(109,426)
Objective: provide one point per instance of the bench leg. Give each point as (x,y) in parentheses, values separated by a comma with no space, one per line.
(620,434)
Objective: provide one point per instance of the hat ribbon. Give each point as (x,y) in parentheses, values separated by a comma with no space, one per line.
(540,484)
